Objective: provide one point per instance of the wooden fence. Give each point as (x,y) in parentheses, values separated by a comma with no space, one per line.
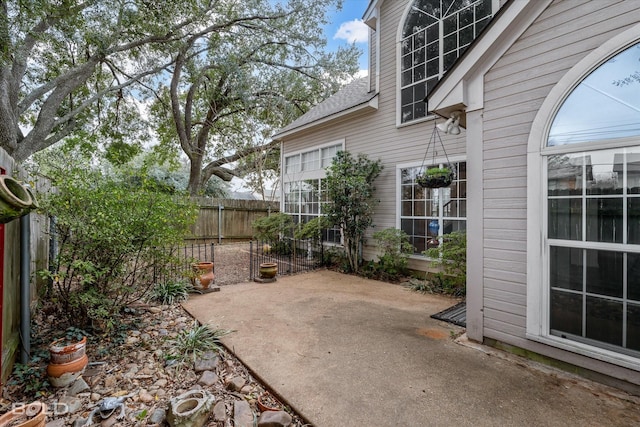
(229,220)
(10,265)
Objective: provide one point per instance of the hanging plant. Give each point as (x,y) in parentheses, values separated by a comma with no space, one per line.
(436,177)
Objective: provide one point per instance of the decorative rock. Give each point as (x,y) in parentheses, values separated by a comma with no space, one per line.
(220,411)
(235,384)
(242,414)
(78,386)
(110,381)
(207,362)
(208,378)
(162,382)
(110,422)
(145,396)
(73,403)
(80,422)
(158,416)
(155,310)
(246,389)
(274,419)
(95,397)
(56,423)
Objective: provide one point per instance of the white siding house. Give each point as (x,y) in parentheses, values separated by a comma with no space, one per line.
(548,186)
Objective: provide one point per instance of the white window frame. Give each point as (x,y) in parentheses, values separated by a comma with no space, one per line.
(439,160)
(537,324)
(495,5)
(301,175)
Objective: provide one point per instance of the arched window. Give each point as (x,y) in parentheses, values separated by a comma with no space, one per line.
(434,35)
(592,159)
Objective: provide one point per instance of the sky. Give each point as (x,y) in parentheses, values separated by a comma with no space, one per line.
(346,27)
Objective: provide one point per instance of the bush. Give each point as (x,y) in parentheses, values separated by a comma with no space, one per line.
(273,227)
(396,249)
(351,192)
(112,242)
(451,255)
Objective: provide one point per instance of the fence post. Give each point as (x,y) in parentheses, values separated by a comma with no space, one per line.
(251,260)
(220,208)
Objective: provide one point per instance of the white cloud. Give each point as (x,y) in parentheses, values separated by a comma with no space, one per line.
(354,31)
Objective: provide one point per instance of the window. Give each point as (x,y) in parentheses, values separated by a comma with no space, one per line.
(427,213)
(304,192)
(435,34)
(592,199)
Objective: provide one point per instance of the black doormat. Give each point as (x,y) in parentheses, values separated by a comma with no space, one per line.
(456,314)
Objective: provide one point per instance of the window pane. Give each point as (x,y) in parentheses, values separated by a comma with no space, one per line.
(449,226)
(633,220)
(565,269)
(633,173)
(565,313)
(565,219)
(617,101)
(466,36)
(604,320)
(604,172)
(604,272)
(604,220)
(419,208)
(565,175)
(633,276)
(407,96)
(633,326)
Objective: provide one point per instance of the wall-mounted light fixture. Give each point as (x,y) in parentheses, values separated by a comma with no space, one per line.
(452,125)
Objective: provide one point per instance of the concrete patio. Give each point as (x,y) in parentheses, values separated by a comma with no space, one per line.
(346,351)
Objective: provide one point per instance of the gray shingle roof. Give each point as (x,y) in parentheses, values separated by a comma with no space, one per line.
(354,94)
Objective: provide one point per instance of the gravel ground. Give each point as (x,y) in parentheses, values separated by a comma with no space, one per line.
(136,366)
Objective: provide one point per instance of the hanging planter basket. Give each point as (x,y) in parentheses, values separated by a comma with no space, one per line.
(433,176)
(436,178)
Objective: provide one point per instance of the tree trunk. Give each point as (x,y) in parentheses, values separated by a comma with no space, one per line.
(195,175)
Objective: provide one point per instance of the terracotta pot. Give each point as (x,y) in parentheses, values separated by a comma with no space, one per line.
(33,415)
(63,374)
(61,353)
(268,270)
(204,276)
(266,402)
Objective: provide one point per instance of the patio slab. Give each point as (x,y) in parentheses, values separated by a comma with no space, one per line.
(346,351)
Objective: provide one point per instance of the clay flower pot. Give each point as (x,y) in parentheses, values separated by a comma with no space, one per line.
(63,374)
(268,270)
(266,402)
(33,415)
(62,352)
(203,275)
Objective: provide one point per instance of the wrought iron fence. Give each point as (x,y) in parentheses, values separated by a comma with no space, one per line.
(291,255)
(181,260)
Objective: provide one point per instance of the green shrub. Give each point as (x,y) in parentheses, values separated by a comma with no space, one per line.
(451,256)
(273,227)
(112,243)
(351,192)
(396,249)
(312,229)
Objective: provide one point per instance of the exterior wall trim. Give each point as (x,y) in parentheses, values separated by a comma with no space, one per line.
(372,105)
